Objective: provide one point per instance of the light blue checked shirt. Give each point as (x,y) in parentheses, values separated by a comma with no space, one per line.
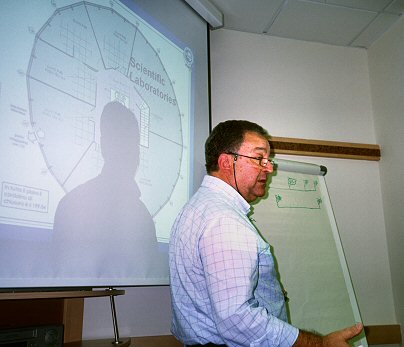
(224,285)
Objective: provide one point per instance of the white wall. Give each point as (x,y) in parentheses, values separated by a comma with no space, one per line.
(315,91)
(142,311)
(304,90)
(386,70)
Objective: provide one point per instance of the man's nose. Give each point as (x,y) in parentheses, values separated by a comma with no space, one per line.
(269,168)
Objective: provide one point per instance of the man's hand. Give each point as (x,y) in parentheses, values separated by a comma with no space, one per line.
(336,339)
(341,337)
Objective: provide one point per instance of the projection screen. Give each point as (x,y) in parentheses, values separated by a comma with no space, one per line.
(104,112)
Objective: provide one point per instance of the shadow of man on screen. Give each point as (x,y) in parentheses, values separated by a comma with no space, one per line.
(102,229)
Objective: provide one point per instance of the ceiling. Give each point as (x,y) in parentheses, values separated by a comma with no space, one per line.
(350,23)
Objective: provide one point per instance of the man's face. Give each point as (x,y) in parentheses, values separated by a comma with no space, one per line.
(250,176)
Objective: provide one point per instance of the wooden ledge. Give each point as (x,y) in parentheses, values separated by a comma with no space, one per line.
(383,334)
(330,149)
(64,307)
(59,294)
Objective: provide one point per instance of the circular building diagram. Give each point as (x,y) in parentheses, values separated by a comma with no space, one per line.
(83,57)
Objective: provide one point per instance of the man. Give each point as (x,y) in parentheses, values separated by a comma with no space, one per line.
(224,286)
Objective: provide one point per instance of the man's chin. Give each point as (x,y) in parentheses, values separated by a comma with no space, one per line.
(260,193)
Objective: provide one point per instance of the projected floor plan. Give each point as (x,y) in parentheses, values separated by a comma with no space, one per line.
(85,55)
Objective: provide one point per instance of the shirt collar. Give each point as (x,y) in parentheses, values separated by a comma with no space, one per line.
(229,192)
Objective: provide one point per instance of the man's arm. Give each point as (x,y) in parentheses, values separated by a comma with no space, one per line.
(335,339)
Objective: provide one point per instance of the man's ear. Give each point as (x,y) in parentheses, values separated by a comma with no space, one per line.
(225,162)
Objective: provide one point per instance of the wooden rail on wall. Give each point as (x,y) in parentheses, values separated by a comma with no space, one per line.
(383,334)
(330,149)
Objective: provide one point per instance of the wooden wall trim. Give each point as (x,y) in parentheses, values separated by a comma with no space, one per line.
(156,341)
(320,148)
(383,334)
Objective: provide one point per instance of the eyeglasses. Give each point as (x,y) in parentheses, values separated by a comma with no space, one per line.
(262,161)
